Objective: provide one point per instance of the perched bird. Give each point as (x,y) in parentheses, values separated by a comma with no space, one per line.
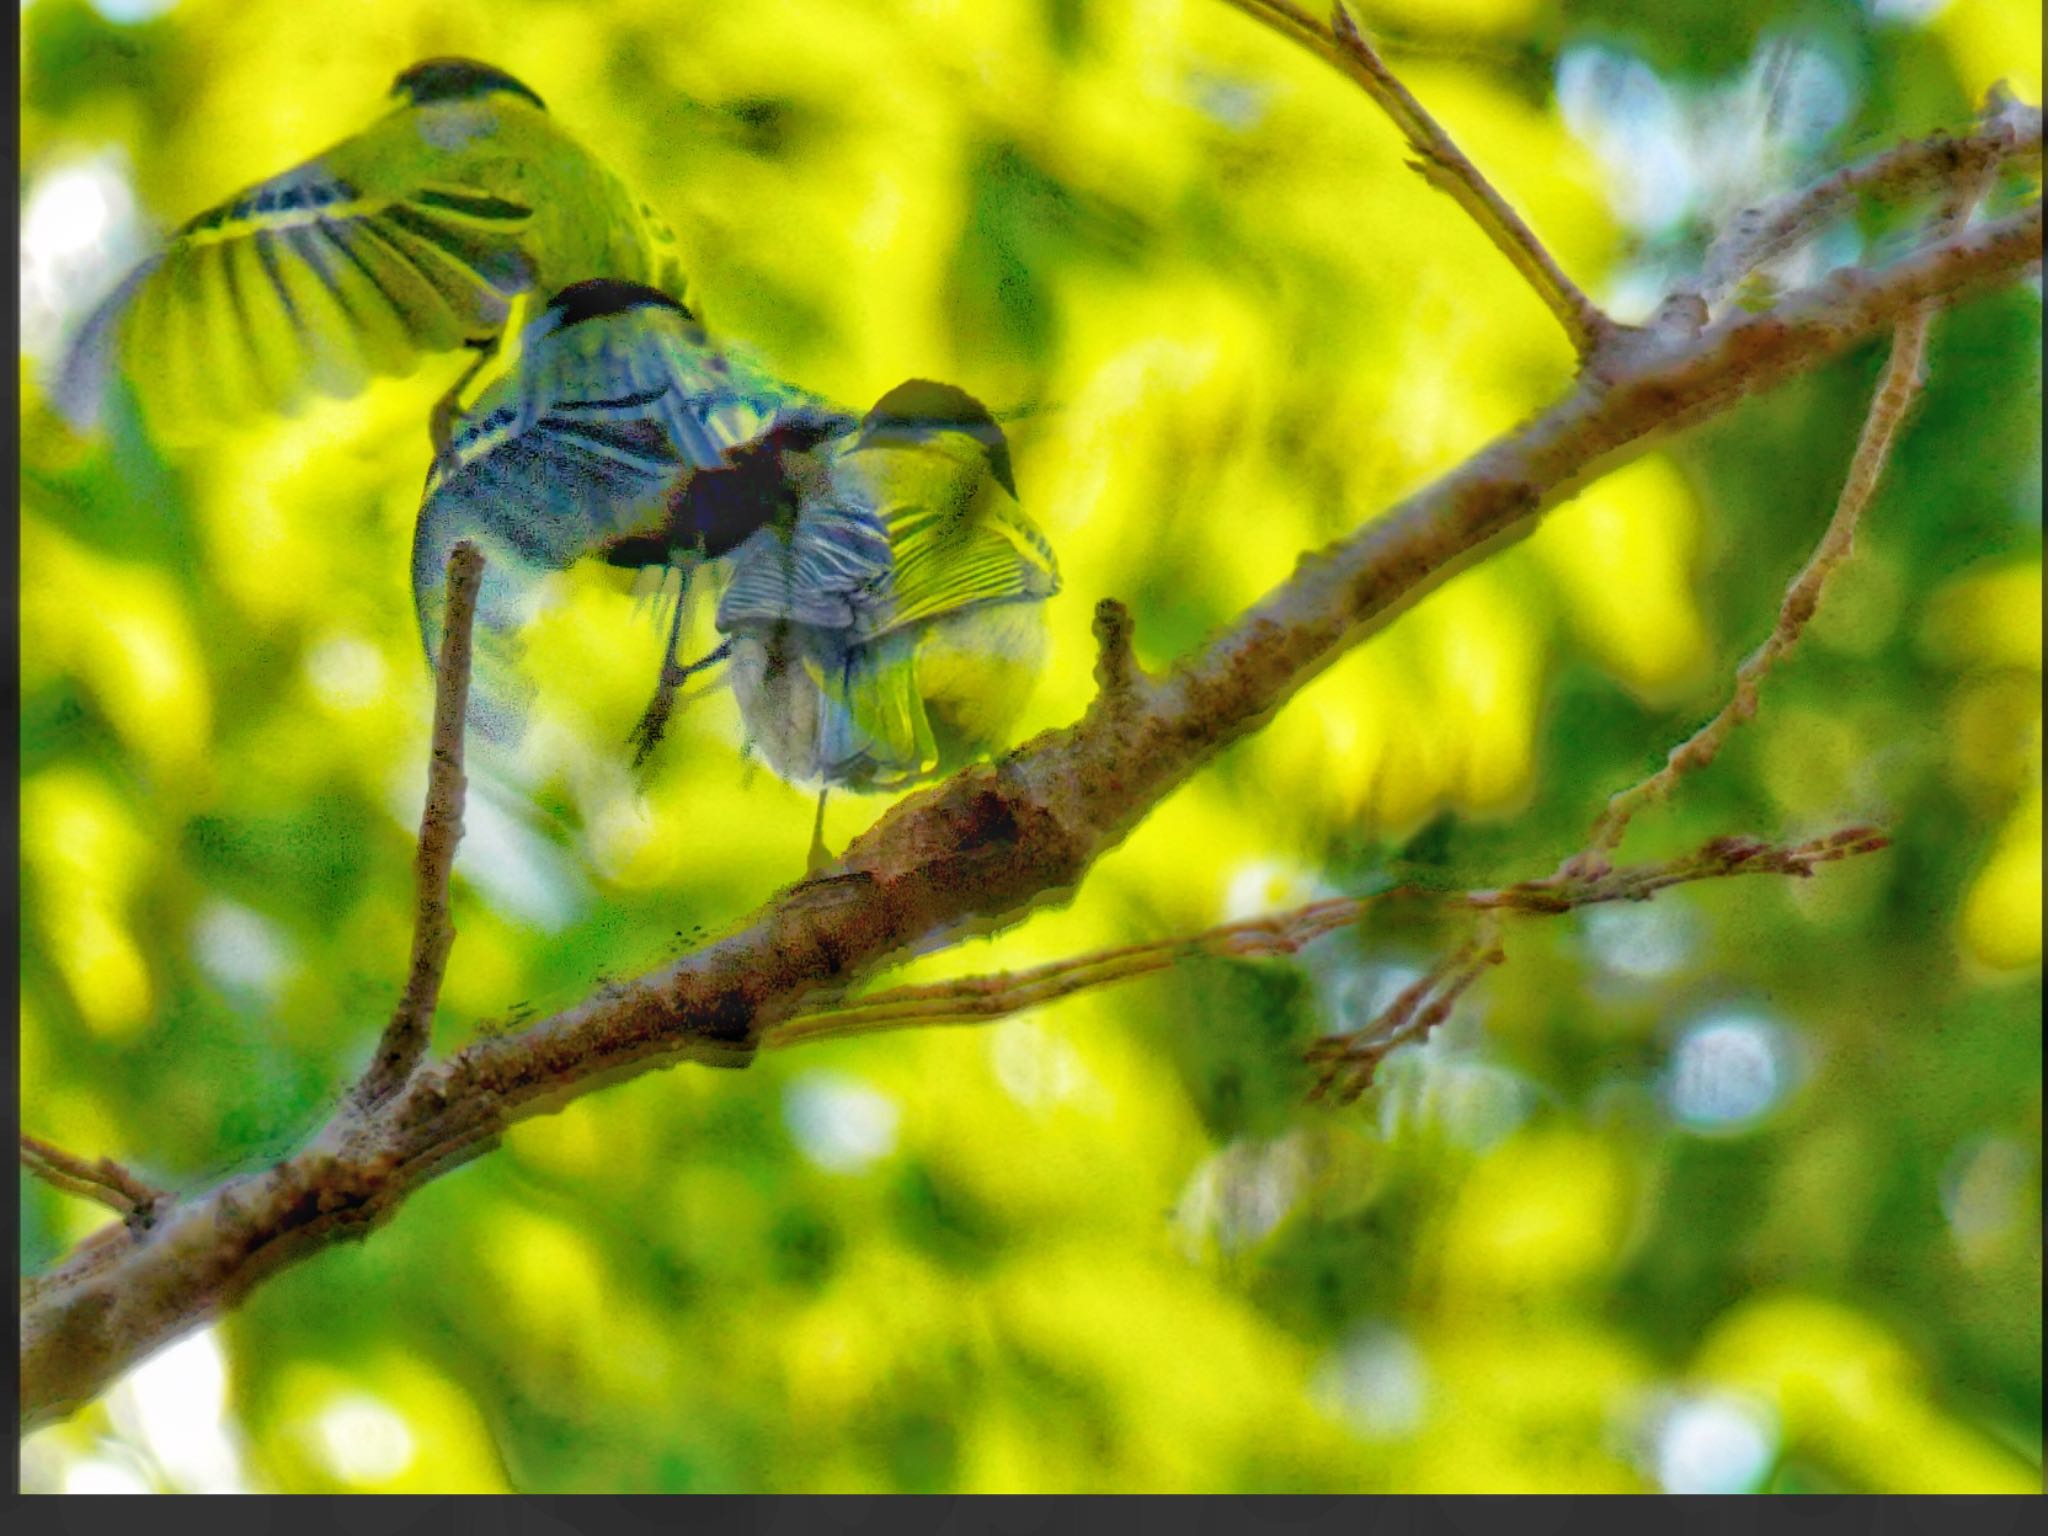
(422,234)
(894,630)
(610,429)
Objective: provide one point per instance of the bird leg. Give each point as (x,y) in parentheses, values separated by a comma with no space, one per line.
(646,736)
(820,856)
(441,421)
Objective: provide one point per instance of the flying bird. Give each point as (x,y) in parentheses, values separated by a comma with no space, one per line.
(610,429)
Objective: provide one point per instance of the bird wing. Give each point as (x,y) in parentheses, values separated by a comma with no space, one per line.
(309,283)
(912,519)
(954,553)
(821,576)
(935,467)
(578,441)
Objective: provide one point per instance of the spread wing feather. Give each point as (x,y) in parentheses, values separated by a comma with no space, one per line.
(583,438)
(307,283)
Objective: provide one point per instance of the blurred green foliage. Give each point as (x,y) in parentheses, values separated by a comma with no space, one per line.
(1737,1190)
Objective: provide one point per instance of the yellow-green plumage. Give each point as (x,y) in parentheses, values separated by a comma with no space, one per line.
(896,630)
(414,237)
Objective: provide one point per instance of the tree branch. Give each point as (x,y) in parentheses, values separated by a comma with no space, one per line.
(1442,164)
(1895,394)
(978,850)
(405,1038)
(984,999)
(1349,1061)
(1897,389)
(2008,134)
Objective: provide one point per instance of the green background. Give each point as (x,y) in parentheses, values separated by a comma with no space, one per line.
(1740,1189)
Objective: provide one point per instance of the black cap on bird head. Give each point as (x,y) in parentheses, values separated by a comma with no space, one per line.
(438,80)
(596,297)
(915,409)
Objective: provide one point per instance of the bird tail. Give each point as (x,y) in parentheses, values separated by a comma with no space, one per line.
(879,713)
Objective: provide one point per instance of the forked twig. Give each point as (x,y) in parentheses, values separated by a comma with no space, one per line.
(1349,1060)
(104,1181)
(1897,389)
(2009,133)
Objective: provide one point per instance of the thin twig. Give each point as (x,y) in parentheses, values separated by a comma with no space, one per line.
(405,1038)
(1349,1061)
(981,999)
(2009,133)
(1897,389)
(104,1181)
(1443,165)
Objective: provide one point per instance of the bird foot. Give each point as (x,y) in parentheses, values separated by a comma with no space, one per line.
(653,724)
(646,736)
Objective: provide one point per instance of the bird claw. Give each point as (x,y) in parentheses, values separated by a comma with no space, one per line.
(653,723)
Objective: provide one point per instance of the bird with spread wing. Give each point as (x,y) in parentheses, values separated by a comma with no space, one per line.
(428,232)
(611,429)
(882,617)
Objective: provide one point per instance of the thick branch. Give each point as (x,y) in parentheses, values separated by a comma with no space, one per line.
(979,850)
(405,1038)
(1442,164)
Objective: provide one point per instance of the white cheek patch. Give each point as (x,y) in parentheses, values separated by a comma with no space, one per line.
(453,131)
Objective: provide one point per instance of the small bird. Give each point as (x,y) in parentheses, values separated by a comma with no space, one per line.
(895,629)
(429,231)
(610,429)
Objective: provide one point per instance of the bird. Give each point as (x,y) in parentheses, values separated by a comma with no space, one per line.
(893,631)
(610,428)
(436,228)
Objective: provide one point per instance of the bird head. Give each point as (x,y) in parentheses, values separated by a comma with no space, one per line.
(432,81)
(920,409)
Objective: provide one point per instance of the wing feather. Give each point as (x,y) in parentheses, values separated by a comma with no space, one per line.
(301,286)
(417,236)
(580,441)
(387,295)
(312,273)
(884,716)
